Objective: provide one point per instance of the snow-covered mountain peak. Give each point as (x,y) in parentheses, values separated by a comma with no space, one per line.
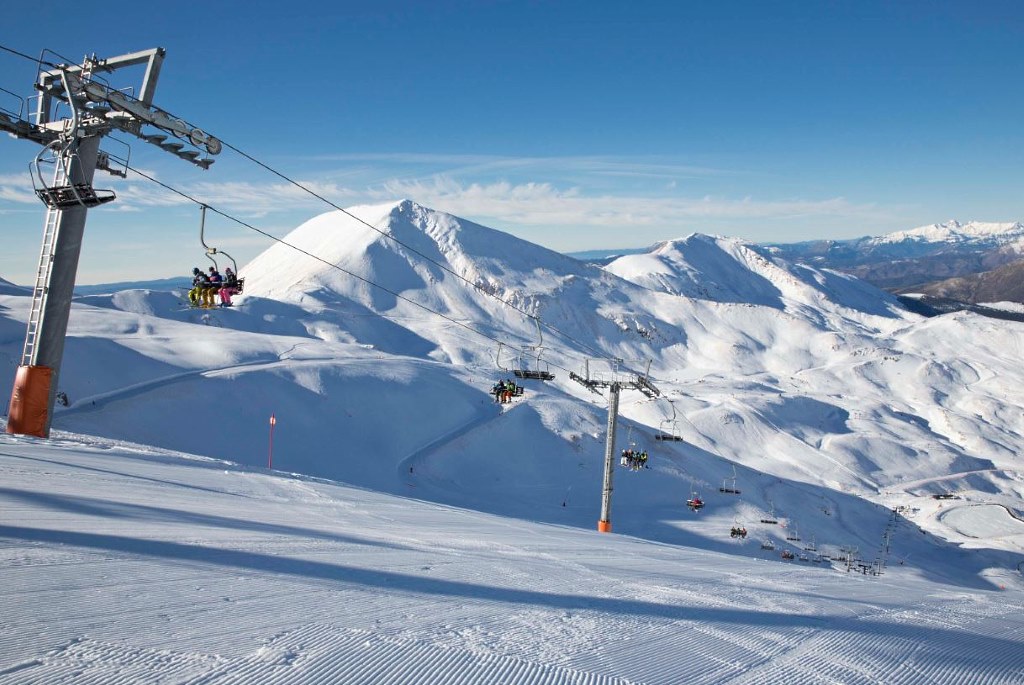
(732,270)
(402,244)
(954,231)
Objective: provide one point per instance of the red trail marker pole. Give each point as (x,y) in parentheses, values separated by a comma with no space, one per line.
(270,453)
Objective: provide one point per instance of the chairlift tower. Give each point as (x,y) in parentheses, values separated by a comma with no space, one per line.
(76,108)
(615,385)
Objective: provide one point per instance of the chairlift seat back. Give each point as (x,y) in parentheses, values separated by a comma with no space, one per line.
(534,375)
(80,194)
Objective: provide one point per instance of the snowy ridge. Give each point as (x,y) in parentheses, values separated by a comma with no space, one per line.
(954,232)
(8,288)
(732,270)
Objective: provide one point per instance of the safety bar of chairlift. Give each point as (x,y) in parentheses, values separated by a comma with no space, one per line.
(212,250)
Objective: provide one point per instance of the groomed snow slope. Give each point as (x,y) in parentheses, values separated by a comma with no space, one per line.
(127,564)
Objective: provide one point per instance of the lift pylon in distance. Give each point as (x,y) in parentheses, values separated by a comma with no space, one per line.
(77,107)
(615,384)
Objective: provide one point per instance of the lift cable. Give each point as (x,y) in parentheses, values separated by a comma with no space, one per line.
(318,258)
(440,265)
(28,57)
(582,344)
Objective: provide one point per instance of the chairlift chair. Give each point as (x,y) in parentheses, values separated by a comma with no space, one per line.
(795,535)
(770,519)
(669,429)
(211,251)
(729,484)
(768,545)
(633,458)
(64,195)
(695,503)
(541,370)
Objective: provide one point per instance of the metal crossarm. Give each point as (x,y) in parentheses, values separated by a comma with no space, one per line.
(94,109)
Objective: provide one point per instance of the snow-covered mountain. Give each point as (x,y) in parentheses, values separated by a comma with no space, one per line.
(731,270)
(976,232)
(379,332)
(149,538)
(906,258)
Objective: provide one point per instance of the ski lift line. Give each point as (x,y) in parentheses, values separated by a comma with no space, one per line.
(387,235)
(412,249)
(319,259)
(37,60)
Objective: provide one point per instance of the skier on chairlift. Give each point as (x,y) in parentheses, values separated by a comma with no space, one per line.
(228,288)
(214,280)
(199,283)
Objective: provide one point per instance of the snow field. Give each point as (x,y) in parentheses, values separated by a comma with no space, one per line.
(143,566)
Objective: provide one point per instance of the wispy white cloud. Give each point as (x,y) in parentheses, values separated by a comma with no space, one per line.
(537,167)
(17,188)
(505,203)
(540,204)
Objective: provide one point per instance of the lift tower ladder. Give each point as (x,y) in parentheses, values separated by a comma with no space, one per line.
(94,109)
(43,269)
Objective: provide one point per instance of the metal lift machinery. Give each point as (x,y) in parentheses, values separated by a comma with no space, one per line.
(76,108)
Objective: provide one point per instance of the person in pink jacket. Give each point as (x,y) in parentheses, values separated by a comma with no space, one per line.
(228,287)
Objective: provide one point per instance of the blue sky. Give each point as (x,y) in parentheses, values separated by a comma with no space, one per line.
(576,125)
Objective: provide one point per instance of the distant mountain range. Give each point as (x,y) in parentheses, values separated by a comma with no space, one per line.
(950,264)
(923,259)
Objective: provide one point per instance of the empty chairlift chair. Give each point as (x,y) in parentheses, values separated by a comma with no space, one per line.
(61,193)
(530,364)
(729,484)
(668,430)
(770,517)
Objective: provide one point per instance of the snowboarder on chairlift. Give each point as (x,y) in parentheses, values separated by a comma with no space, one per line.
(199,281)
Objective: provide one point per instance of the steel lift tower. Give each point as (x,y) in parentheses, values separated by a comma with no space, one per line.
(615,385)
(76,108)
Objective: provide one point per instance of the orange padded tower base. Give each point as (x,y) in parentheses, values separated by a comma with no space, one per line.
(30,401)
